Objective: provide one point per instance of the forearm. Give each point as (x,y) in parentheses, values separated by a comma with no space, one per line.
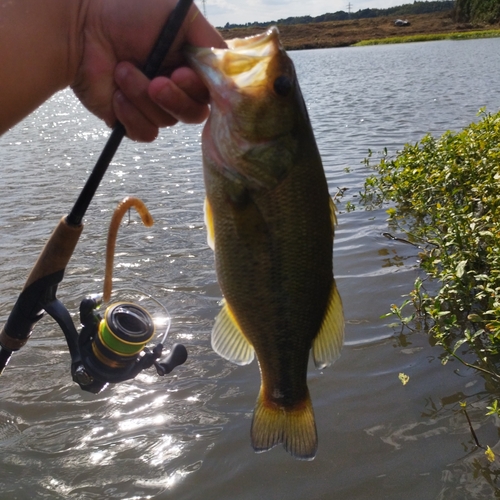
(39,52)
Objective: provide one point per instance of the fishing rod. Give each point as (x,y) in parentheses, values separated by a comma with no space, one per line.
(110,349)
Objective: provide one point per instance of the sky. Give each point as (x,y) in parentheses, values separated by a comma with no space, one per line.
(220,12)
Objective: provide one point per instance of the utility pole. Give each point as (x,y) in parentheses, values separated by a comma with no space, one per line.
(204,9)
(349,5)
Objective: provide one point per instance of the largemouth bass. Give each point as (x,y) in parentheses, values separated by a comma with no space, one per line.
(270,221)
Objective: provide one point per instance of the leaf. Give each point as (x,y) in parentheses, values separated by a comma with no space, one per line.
(489,454)
(461,268)
(404,378)
(474,317)
(493,409)
(394,325)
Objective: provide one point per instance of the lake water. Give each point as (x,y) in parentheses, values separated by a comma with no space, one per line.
(186,436)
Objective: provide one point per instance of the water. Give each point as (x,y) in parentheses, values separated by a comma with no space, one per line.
(186,436)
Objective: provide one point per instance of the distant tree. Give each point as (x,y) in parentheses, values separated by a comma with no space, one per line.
(477,11)
(337,16)
(366,13)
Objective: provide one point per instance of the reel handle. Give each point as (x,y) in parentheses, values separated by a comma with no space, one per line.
(177,357)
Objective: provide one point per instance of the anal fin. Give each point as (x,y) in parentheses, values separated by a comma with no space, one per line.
(328,343)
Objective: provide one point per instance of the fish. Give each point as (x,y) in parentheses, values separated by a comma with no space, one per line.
(270,221)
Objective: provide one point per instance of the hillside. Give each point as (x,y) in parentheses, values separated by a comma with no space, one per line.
(345,33)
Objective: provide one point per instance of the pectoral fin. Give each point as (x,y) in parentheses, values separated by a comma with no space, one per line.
(328,343)
(228,340)
(209,222)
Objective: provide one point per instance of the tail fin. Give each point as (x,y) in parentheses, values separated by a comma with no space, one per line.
(296,429)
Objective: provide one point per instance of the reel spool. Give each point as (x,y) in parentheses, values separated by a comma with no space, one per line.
(122,334)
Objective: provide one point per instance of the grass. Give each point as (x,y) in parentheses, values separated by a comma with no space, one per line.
(444,194)
(431,37)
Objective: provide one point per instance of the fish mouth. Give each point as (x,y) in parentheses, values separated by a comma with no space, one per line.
(243,64)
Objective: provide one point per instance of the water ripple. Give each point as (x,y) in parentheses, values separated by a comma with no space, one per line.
(188,434)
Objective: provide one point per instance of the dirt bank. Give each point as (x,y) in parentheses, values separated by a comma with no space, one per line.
(345,33)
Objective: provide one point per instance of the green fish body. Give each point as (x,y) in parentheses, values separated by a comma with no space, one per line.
(270,221)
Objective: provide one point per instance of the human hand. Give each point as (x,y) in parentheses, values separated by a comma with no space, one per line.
(118,36)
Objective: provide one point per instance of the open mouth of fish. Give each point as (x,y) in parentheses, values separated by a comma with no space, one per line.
(243,64)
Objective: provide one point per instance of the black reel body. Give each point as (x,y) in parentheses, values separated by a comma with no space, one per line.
(113,349)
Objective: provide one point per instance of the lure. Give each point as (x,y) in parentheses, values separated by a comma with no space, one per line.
(121,209)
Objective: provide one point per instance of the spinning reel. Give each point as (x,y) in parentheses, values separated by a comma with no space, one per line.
(112,347)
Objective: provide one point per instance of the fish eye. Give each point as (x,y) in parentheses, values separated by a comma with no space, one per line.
(282,85)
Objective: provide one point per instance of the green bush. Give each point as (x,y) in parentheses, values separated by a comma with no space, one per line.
(445,194)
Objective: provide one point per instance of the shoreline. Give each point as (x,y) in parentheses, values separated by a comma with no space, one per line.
(370,31)
(431,37)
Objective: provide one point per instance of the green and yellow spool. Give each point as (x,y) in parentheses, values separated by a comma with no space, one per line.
(122,335)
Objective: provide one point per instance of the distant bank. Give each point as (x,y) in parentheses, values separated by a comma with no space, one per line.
(376,30)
